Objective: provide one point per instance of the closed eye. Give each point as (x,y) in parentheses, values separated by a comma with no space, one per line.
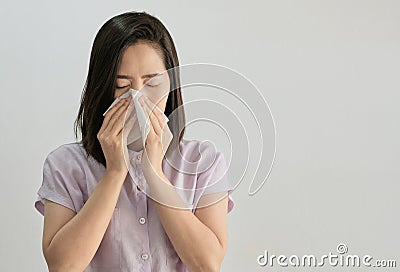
(153,85)
(150,85)
(122,87)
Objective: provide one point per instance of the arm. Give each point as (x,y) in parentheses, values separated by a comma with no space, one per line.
(200,239)
(70,240)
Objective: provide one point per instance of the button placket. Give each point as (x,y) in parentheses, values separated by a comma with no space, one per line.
(141,186)
(141,204)
(134,173)
(136,161)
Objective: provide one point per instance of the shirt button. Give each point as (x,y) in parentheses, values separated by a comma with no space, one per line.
(142,220)
(144,256)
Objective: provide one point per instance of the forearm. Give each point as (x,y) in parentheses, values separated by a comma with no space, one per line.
(197,246)
(75,244)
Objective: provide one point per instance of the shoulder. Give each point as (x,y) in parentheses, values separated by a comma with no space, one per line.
(69,154)
(67,151)
(194,148)
(202,153)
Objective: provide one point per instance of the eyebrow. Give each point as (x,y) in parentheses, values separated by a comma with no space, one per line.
(144,76)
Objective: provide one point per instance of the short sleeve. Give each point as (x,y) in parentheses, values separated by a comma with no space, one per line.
(215,179)
(61,182)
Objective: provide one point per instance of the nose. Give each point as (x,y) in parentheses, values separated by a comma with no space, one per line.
(137,87)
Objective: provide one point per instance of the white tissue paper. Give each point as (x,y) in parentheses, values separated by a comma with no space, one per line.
(141,127)
(154,91)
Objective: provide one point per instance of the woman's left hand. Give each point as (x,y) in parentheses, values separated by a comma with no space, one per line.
(153,152)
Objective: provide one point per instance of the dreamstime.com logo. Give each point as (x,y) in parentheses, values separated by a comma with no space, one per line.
(342,260)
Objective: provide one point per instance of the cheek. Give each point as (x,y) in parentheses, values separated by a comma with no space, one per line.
(118,93)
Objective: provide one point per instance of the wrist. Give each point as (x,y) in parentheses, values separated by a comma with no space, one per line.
(116,174)
(154,173)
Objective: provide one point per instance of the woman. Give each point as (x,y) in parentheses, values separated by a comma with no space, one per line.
(96,218)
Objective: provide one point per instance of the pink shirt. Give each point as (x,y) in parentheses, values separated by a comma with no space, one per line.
(135,239)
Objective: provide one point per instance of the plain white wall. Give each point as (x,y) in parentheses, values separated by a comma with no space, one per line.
(328,69)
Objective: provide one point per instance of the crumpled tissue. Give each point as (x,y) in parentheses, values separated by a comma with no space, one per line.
(141,127)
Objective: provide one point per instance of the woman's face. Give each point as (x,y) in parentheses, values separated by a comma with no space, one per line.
(139,67)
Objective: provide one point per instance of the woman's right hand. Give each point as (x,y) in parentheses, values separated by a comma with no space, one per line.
(111,135)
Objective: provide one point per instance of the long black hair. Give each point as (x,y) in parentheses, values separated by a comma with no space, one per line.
(112,39)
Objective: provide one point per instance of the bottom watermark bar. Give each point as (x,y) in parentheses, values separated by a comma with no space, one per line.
(342,260)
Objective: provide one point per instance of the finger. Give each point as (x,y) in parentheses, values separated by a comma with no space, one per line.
(156,111)
(118,118)
(109,114)
(115,117)
(155,126)
(122,120)
(126,129)
(147,112)
(126,117)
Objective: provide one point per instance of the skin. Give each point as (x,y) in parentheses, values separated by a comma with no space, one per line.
(71,239)
(200,239)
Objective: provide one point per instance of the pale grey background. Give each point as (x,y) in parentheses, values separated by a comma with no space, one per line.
(329,70)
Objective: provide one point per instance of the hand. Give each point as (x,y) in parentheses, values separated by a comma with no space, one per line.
(153,152)
(111,135)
